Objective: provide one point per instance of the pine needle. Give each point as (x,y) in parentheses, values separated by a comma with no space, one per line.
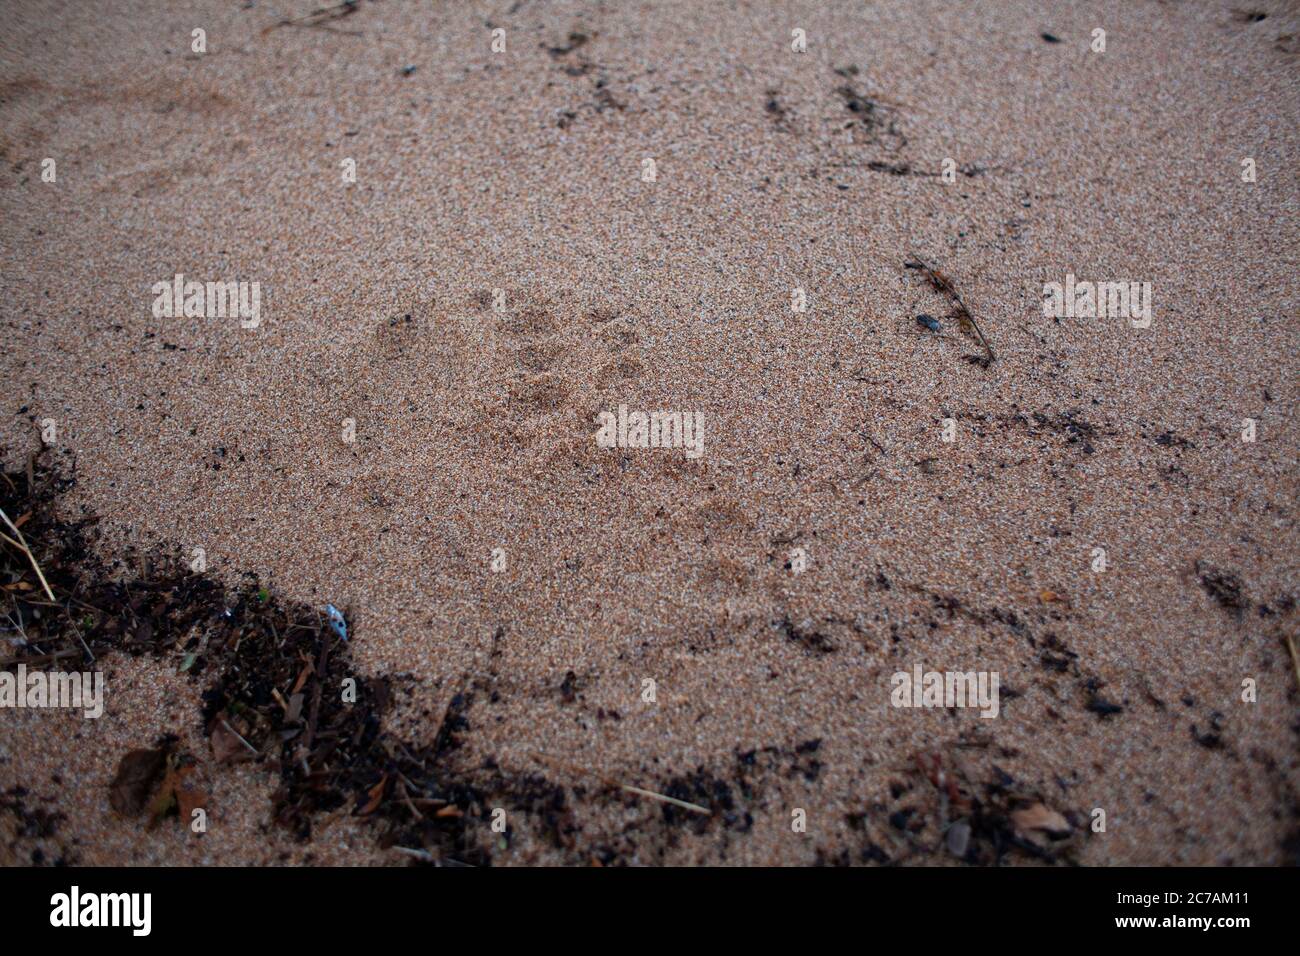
(21,544)
(628,788)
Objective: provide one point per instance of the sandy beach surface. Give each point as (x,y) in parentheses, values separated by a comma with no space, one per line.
(437,339)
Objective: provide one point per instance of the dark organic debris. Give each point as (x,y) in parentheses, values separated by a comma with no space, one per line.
(1209,740)
(321,17)
(576,40)
(1102,707)
(876,119)
(806,637)
(894,169)
(1075,428)
(137,774)
(979,824)
(276,675)
(603,98)
(568,687)
(1168,438)
(1225,587)
(774,108)
(1050,38)
(944,286)
(35,823)
(929,322)
(969,170)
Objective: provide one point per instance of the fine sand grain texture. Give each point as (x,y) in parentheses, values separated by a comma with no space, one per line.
(475,413)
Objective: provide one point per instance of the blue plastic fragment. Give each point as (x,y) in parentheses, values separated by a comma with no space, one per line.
(336,621)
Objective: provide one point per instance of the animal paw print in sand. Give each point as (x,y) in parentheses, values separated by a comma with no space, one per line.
(556,357)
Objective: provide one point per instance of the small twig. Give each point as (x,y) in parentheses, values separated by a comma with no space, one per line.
(41,659)
(693,807)
(22,544)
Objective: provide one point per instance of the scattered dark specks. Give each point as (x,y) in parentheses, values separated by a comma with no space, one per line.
(408,70)
(1249,16)
(1050,38)
(928,322)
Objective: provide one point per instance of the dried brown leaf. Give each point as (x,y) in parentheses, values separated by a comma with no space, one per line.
(137,772)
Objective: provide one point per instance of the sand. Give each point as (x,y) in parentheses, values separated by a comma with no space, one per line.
(474,429)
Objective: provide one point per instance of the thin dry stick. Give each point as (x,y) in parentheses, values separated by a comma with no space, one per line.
(22,545)
(693,807)
(41,658)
